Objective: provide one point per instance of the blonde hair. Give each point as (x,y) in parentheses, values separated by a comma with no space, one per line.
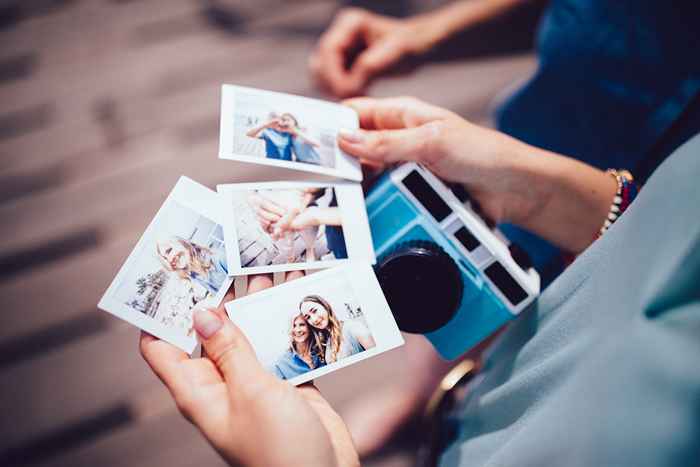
(200,257)
(331,336)
(313,345)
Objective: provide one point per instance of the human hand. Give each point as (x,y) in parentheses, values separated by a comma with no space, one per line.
(559,198)
(293,208)
(383,41)
(250,417)
(406,129)
(274,122)
(266,211)
(307,218)
(316,215)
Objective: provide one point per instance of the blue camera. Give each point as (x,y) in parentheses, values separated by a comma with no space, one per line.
(444,271)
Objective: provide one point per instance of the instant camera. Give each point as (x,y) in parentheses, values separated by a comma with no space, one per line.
(444,271)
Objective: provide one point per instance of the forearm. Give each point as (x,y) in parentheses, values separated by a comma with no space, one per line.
(327,216)
(255,131)
(564,201)
(455,17)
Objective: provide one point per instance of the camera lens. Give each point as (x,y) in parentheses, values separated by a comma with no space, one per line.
(422,285)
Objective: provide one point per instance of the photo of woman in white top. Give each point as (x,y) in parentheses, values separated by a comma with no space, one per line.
(193,263)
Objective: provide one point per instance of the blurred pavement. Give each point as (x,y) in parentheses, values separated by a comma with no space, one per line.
(103,105)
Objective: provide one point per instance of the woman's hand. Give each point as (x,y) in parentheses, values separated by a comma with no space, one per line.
(267,211)
(249,416)
(314,216)
(383,41)
(406,129)
(559,198)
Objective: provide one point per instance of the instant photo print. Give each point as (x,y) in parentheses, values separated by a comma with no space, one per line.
(287,132)
(286,226)
(317,324)
(444,272)
(178,264)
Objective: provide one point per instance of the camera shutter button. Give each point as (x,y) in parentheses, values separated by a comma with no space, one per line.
(422,285)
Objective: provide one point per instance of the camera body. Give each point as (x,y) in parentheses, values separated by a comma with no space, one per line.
(445,273)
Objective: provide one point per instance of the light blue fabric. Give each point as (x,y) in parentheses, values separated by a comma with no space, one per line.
(216,276)
(278,145)
(604,370)
(290,365)
(350,343)
(304,152)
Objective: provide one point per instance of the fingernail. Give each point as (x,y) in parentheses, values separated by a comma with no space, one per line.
(206,322)
(351,136)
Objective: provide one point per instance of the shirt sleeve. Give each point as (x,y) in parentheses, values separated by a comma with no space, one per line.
(635,399)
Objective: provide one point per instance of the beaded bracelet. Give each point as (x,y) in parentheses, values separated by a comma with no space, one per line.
(626,192)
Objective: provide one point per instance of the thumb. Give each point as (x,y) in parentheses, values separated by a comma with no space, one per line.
(226,345)
(418,144)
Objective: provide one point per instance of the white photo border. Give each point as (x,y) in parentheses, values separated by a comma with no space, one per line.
(361,278)
(198,198)
(347,167)
(355,223)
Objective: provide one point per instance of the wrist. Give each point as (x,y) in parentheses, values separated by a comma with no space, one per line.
(426,31)
(568,200)
(441,24)
(506,177)
(528,178)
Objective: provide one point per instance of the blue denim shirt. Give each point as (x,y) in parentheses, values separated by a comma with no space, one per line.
(278,145)
(217,274)
(612,78)
(290,365)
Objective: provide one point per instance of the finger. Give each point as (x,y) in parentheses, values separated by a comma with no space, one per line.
(328,63)
(388,146)
(372,166)
(226,346)
(292,275)
(376,59)
(165,360)
(267,205)
(267,216)
(395,112)
(264,223)
(200,371)
(259,282)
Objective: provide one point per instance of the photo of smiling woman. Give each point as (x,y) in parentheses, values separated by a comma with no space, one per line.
(194,263)
(338,339)
(181,265)
(303,353)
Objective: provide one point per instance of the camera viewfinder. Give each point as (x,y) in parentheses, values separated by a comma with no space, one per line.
(505,283)
(467,240)
(427,196)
